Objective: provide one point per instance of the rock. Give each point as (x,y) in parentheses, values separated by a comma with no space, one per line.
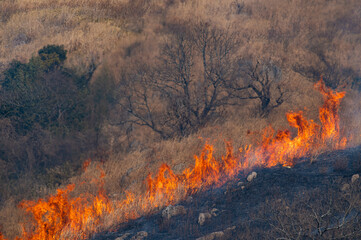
(230,229)
(355,177)
(217,235)
(214,212)
(251,176)
(189,199)
(243,187)
(240,184)
(124,236)
(212,236)
(345,187)
(179,168)
(203,217)
(140,235)
(171,211)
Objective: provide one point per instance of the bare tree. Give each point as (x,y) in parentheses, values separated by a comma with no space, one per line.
(197,75)
(333,73)
(185,89)
(261,81)
(217,50)
(196,64)
(141,100)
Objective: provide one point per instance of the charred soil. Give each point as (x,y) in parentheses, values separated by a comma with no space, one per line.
(312,200)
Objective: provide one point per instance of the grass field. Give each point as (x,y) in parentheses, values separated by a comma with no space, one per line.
(304,39)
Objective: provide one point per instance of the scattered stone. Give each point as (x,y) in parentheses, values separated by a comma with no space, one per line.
(189,199)
(243,187)
(355,177)
(251,176)
(179,168)
(140,235)
(229,230)
(214,212)
(203,217)
(240,184)
(172,211)
(217,235)
(124,236)
(345,187)
(212,236)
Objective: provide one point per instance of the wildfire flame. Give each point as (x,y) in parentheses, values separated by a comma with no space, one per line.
(61,215)
(64,217)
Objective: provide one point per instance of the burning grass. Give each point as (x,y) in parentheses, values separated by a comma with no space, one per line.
(63,216)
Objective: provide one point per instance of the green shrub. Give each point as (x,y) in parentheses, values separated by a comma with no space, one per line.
(52,56)
(41,92)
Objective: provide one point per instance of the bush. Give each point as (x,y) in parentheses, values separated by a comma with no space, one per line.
(45,111)
(39,92)
(52,56)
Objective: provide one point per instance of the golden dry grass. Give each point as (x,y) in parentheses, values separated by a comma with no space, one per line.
(276,29)
(98,31)
(86,32)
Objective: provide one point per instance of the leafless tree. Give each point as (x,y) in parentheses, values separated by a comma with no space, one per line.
(261,81)
(186,87)
(198,74)
(332,72)
(140,99)
(196,63)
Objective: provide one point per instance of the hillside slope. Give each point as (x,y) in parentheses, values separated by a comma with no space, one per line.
(104,100)
(278,203)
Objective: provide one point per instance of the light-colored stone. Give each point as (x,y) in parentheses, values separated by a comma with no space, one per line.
(140,235)
(230,229)
(179,168)
(189,199)
(214,212)
(240,184)
(217,235)
(124,236)
(243,187)
(203,217)
(345,187)
(251,176)
(172,211)
(212,236)
(355,177)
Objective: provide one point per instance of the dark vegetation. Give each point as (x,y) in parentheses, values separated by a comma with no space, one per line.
(46,120)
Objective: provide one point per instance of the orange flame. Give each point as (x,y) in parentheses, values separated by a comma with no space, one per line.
(61,215)
(329,114)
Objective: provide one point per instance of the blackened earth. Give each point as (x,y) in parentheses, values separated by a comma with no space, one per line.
(246,210)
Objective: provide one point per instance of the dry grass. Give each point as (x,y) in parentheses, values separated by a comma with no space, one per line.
(276,29)
(85,32)
(10,218)
(351,117)
(99,31)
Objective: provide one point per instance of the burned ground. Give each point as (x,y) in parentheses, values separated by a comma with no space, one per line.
(312,200)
